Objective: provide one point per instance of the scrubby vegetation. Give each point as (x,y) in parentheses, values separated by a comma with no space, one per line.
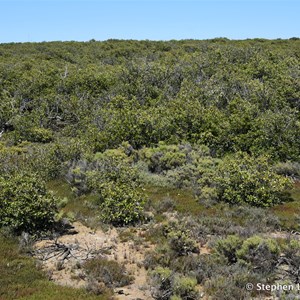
(196,142)
(25,204)
(108,272)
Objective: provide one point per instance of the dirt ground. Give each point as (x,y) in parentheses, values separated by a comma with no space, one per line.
(61,258)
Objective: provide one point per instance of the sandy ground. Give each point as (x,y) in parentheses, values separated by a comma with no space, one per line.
(63,264)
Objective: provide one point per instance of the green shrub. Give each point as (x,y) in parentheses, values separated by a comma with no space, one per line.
(77,177)
(185,287)
(181,242)
(125,153)
(111,169)
(120,204)
(86,176)
(243,178)
(168,285)
(45,160)
(29,132)
(207,196)
(222,287)
(25,204)
(208,266)
(228,247)
(180,238)
(259,253)
(163,158)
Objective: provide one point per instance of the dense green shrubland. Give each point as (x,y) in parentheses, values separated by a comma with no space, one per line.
(214,123)
(228,95)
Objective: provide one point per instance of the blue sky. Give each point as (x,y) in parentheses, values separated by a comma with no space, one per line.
(46,20)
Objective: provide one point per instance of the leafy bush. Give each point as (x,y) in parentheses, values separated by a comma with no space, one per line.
(86,175)
(116,184)
(77,176)
(12,158)
(163,158)
(208,266)
(227,287)
(26,130)
(243,178)
(111,169)
(161,256)
(40,135)
(25,204)
(120,204)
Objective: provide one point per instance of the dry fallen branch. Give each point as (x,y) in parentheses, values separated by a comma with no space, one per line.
(64,251)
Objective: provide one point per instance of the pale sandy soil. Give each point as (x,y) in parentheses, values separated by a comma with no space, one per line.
(85,243)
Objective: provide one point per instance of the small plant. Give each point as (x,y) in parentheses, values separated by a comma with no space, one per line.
(182,243)
(110,272)
(168,285)
(222,287)
(228,247)
(60,265)
(161,280)
(261,254)
(185,287)
(95,287)
(180,239)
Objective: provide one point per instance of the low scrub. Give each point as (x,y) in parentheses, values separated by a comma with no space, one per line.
(109,272)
